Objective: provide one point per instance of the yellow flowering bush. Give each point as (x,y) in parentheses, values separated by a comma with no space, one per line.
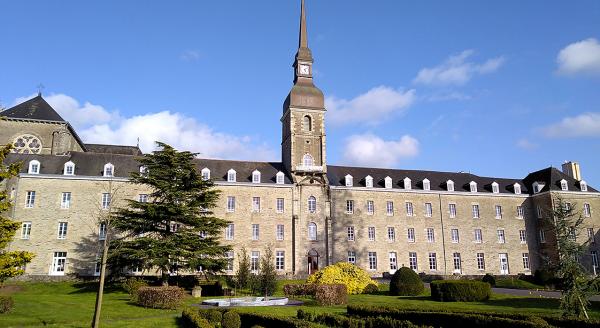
(355,278)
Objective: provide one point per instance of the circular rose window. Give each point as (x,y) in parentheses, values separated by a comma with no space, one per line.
(27,144)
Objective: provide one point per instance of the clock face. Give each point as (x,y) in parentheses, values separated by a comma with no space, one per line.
(304,69)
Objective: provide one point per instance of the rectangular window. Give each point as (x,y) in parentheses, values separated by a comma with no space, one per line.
(591,237)
(143,198)
(279,260)
(280,205)
(478,236)
(520,212)
(30,200)
(59,261)
(230,231)
(452,210)
(65,201)
(389,208)
(255,204)
(430,235)
(480,261)
(230,204)
(352,257)
(475,211)
(372,260)
(539,212)
(542,236)
(501,238)
(230,258)
(349,206)
(454,234)
(255,231)
(409,209)
(350,231)
(428,210)
(412,260)
(432,262)
(97,267)
(411,235)
(393,261)
(391,234)
(102,231)
(62,230)
(523,236)
(280,232)
(254,258)
(526,261)
(370,207)
(572,234)
(457,262)
(25,230)
(594,261)
(105,201)
(587,211)
(371,233)
(498,212)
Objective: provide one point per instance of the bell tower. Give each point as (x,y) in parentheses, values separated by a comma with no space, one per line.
(303,120)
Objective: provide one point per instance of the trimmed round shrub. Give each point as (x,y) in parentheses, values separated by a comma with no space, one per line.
(214,317)
(231,320)
(460,290)
(355,278)
(406,282)
(164,297)
(371,289)
(6,304)
(489,279)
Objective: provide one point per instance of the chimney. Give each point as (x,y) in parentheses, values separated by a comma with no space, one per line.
(572,169)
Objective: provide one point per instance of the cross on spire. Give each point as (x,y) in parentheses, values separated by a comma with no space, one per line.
(40,87)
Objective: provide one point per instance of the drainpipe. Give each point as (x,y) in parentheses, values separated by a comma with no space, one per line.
(443,235)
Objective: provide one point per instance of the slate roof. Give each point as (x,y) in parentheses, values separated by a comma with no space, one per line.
(551,177)
(114,149)
(218,170)
(33,109)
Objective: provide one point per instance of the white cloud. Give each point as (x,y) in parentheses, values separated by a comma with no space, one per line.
(190,55)
(526,144)
(371,150)
(581,57)
(371,107)
(456,70)
(583,125)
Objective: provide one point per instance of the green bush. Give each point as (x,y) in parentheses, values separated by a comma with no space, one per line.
(266,320)
(371,289)
(331,294)
(340,321)
(406,282)
(355,278)
(6,304)
(231,320)
(489,279)
(190,318)
(164,297)
(131,286)
(213,316)
(460,290)
(299,290)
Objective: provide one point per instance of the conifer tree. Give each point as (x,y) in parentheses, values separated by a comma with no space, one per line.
(267,277)
(242,275)
(175,229)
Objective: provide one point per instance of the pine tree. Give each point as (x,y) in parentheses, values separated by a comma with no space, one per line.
(10,262)
(175,229)
(242,275)
(267,278)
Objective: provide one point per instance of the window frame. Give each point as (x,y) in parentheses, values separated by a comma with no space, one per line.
(69,166)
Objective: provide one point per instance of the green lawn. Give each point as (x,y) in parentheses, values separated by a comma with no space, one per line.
(71,305)
(516,284)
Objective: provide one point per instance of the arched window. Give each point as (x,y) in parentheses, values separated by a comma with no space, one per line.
(369,181)
(306,123)
(495,187)
(280,178)
(34,167)
(312,204)
(312,231)
(563,185)
(231,175)
(407,183)
(388,182)
(473,186)
(308,160)
(517,188)
(256,176)
(583,185)
(109,170)
(69,168)
(450,185)
(426,184)
(349,181)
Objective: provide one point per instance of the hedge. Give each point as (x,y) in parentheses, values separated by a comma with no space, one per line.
(324,294)
(460,290)
(490,279)
(406,282)
(190,318)
(6,304)
(265,320)
(340,321)
(231,319)
(164,297)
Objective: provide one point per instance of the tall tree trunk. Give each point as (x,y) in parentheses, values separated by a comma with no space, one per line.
(100,294)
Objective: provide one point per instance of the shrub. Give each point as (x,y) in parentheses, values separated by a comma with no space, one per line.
(543,276)
(231,320)
(267,278)
(164,297)
(460,290)
(266,320)
(334,294)
(371,289)
(340,321)
(213,316)
(191,319)
(300,290)
(6,304)
(131,286)
(355,278)
(489,279)
(406,282)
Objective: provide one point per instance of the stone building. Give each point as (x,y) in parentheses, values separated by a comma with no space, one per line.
(310,213)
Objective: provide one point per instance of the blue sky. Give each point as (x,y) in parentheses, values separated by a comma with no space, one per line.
(495,88)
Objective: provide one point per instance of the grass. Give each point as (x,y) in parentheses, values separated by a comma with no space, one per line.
(71,305)
(516,284)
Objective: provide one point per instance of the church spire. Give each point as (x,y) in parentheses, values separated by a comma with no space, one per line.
(304,53)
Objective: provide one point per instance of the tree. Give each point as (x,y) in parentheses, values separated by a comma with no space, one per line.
(577,284)
(11,263)
(175,229)
(242,275)
(267,277)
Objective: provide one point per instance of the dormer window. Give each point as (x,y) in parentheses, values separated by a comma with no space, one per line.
(109,170)
(280,178)
(143,170)
(349,180)
(69,168)
(583,185)
(407,184)
(369,181)
(205,174)
(473,186)
(495,188)
(34,167)
(563,185)
(256,176)
(450,185)
(517,188)
(426,184)
(537,187)
(308,160)
(231,176)
(388,183)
